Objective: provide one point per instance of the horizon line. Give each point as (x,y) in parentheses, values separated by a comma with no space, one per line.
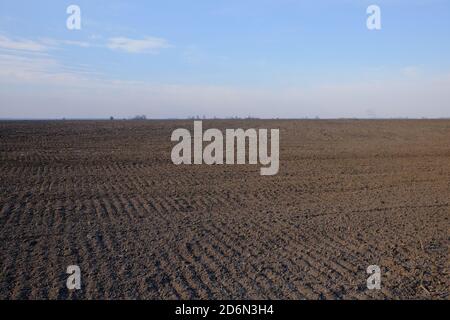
(220,118)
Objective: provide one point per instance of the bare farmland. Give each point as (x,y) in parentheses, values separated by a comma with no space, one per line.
(105,195)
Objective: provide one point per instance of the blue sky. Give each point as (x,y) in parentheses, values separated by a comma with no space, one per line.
(266,58)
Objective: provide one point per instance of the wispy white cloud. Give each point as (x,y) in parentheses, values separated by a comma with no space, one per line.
(22,44)
(41,70)
(77,43)
(37,46)
(147,45)
(25,61)
(54,43)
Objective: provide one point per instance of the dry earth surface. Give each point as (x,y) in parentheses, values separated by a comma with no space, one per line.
(105,195)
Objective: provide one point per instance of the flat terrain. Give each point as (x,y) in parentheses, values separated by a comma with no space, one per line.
(105,195)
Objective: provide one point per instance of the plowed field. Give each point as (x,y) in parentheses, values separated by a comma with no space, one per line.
(105,195)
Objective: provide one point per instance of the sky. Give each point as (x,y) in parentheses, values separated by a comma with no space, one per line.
(224,58)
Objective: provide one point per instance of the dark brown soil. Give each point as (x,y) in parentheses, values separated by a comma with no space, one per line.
(106,196)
